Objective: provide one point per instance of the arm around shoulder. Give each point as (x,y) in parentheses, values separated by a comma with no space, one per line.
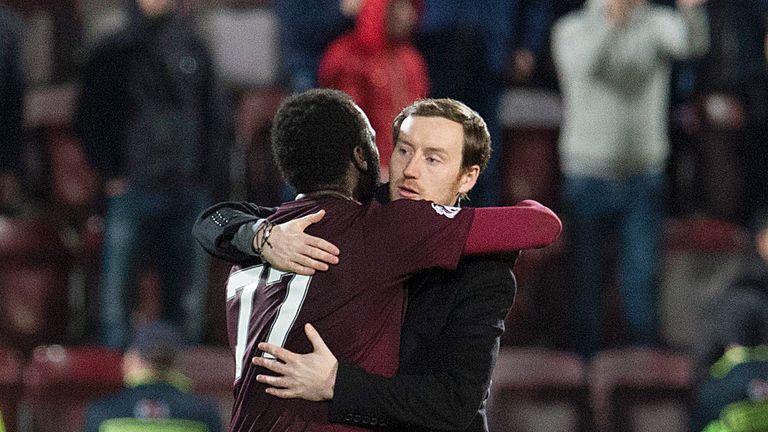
(456,372)
(525,225)
(218,228)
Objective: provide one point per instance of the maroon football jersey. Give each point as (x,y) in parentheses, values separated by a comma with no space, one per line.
(357,305)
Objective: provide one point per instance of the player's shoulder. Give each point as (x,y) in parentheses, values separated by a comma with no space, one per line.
(419,207)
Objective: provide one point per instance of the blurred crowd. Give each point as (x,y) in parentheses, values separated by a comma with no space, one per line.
(664,113)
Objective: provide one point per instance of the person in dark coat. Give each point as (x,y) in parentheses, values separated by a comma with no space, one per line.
(153,123)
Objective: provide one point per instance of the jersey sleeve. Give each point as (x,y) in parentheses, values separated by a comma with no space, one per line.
(525,225)
(415,235)
(408,236)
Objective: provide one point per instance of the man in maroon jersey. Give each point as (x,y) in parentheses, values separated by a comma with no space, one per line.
(324,147)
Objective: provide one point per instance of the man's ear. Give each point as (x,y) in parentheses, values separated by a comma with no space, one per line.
(468,179)
(359,160)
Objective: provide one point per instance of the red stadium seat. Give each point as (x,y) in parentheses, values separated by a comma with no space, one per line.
(10,387)
(640,389)
(212,371)
(537,389)
(59,382)
(34,272)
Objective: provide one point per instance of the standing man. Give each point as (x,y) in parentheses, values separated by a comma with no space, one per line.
(613,59)
(450,335)
(152,122)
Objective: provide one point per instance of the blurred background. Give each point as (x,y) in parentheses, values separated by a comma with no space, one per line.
(55,200)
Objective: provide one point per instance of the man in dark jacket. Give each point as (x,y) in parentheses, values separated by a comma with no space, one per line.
(152,122)
(450,335)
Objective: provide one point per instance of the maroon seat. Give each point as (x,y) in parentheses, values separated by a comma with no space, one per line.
(212,371)
(59,382)
(537,389)
(640,389)
(34,271)
(10,387)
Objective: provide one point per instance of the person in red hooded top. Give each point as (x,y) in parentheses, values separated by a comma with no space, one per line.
(378,66)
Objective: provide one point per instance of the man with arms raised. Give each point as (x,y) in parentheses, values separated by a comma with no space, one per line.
(432,153)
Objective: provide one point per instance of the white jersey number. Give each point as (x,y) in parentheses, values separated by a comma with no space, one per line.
(245,283)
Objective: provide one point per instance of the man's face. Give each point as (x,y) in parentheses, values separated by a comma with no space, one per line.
(153,8)
(426,162)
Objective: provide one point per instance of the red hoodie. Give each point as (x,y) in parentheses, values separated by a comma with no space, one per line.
(383,76)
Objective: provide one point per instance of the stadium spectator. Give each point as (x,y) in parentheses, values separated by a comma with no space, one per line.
(306,29)
(153,123)
(613,59)
(378,66)
(735,57)
(156,397)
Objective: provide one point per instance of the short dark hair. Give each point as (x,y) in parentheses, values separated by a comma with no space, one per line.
(314,134)
(158,343)
(477,140)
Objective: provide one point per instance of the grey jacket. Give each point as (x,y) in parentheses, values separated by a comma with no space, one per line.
(615,85)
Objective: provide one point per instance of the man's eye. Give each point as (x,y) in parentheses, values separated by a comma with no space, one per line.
(402,150)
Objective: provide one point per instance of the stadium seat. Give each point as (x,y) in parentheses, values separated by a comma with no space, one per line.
(536,389)
(59,382)
(640,390)
(34,272)
(10,387)
(212,371)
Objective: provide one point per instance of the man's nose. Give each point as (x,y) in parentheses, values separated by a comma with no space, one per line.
(412,168)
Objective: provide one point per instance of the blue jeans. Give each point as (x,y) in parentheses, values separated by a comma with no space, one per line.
(157,225)
(633,209)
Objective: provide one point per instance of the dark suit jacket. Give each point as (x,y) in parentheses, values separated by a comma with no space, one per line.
(449,340)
